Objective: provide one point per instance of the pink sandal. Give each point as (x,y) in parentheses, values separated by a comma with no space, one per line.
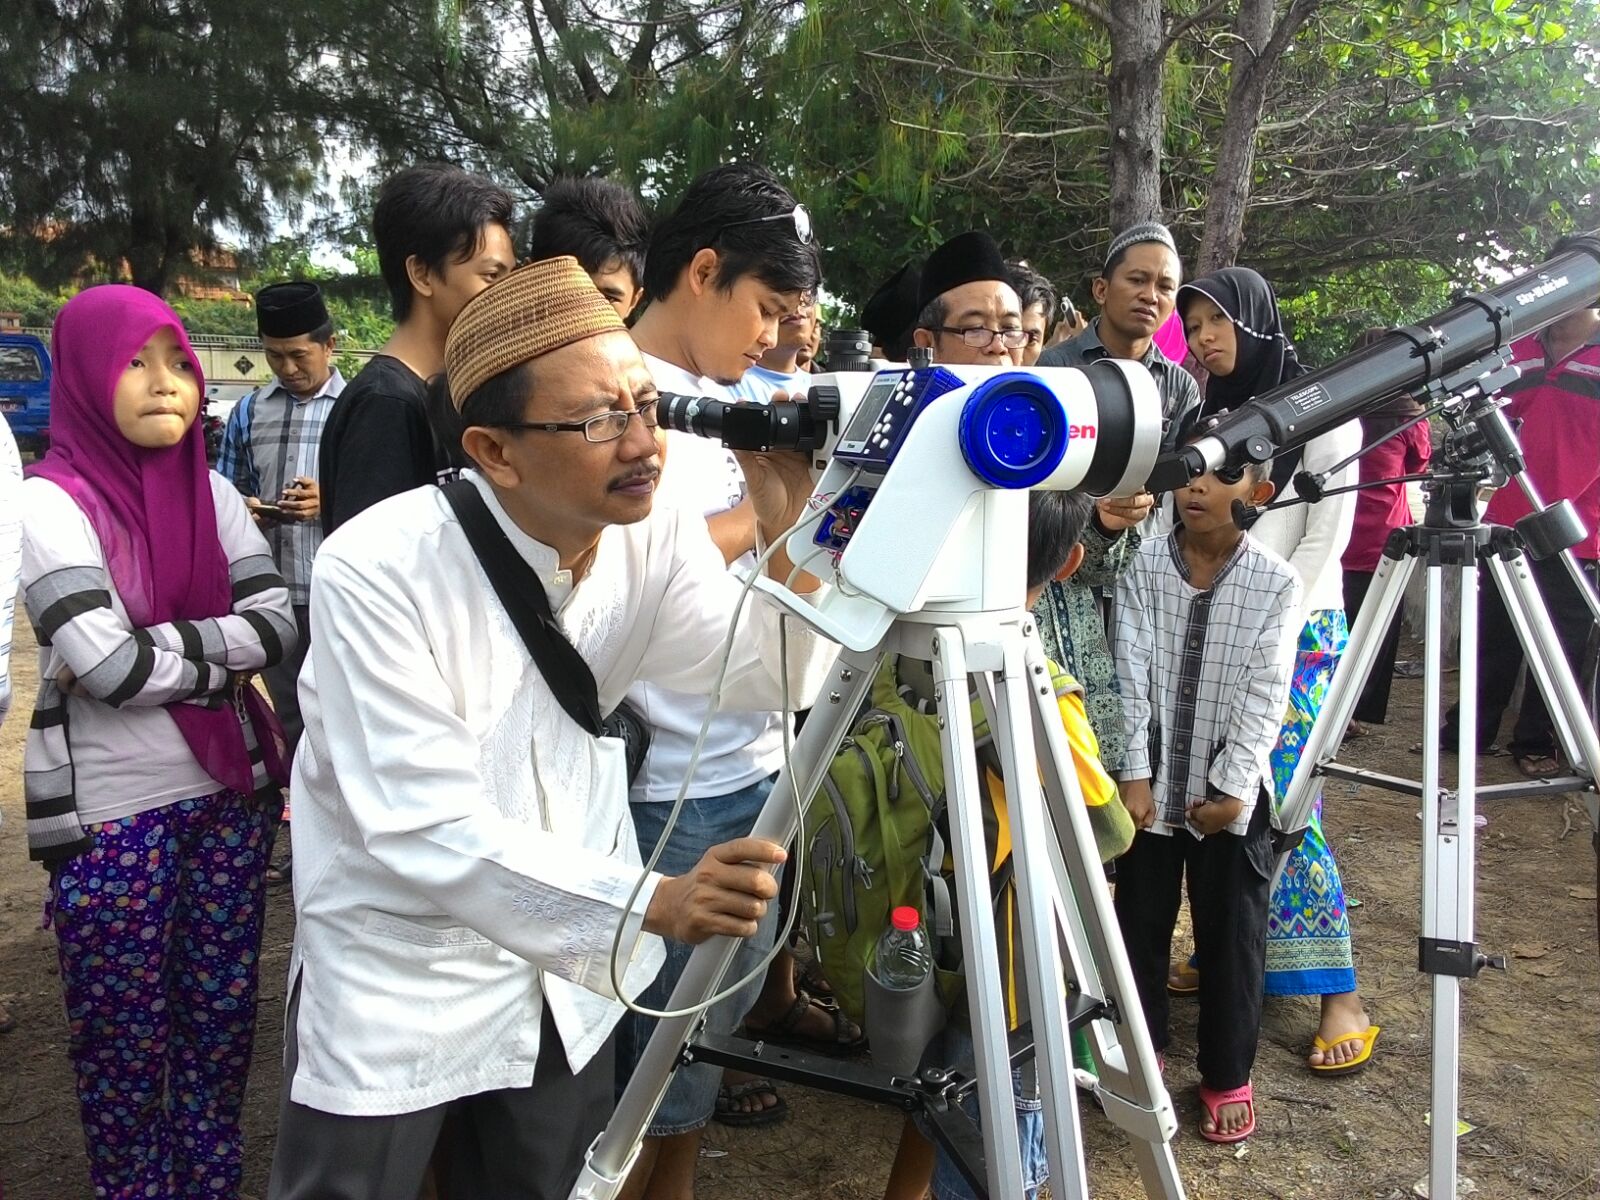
(1212,1102)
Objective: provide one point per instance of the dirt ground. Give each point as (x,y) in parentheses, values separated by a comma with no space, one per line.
(1530,1058)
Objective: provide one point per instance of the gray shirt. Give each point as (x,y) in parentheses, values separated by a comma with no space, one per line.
(1180,395)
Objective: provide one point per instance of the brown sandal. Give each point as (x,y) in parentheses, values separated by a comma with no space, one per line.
(1537,766)
(847,1041)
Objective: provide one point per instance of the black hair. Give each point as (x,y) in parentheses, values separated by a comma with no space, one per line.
(322,334)
(1033,289)
(932,316)
(499,400)
(1056,521)
(434,212)
(722,209)
(596,221)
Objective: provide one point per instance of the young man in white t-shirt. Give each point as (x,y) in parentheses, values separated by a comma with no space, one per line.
(722,271)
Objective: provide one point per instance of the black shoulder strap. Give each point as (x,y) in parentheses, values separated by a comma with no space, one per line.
(519,589)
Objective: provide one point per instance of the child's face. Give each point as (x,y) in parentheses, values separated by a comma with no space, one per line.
(1211,336)
(158,394)
(1205,504)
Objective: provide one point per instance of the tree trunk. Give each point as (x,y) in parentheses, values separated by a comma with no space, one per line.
(1261,42)
(1137,115)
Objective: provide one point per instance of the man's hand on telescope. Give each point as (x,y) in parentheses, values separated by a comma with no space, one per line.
(726,892)
(779,486)
(1140,802)
(1116,514)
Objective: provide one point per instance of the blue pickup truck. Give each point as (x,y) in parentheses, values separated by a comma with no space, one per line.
(25,389)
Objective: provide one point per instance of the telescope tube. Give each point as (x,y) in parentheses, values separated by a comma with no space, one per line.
(1405,359)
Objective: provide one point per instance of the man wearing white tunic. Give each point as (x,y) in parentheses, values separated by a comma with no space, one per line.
(464,855)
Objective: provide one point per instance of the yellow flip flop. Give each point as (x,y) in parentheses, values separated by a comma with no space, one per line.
(1368,1040)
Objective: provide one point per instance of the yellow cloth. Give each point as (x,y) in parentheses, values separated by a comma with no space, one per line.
(1113,828)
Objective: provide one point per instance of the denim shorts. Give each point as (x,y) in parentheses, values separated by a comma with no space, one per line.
(953,1048)
(692,1095)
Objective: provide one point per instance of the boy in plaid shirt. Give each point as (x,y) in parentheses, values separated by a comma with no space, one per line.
(1206,621)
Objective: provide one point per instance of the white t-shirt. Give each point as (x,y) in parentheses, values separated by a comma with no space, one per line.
(758,384)
(699,476)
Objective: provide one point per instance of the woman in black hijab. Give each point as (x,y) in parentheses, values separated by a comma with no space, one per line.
(1231,320)
(1246,353)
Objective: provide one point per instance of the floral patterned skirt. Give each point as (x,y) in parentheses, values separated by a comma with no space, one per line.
(1308,927)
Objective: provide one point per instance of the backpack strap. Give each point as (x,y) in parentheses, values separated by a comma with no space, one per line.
(517,584)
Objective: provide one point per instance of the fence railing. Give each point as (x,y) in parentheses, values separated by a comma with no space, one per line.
(228,359)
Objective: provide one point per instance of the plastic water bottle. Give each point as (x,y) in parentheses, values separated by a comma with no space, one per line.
(903,960)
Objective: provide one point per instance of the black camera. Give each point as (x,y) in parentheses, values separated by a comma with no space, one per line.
(800,425)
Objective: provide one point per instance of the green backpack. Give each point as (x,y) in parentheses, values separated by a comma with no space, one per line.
(874,838)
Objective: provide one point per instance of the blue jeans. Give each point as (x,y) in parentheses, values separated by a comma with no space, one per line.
(953,1048)
(692,1095)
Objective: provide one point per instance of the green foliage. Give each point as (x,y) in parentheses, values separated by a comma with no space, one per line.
(139,128)
(1325,317)
(363,323)
(1405,143)
(38,306)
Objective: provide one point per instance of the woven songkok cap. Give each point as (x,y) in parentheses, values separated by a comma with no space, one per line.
(532,311)
(1145,231)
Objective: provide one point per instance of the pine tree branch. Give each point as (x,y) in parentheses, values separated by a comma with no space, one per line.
(1099,12)
(1181,27)
(588,82)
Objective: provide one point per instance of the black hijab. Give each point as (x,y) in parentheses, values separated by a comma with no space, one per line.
(1264,358)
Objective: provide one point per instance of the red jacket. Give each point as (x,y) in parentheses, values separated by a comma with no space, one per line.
(1559,406)
(1382,509)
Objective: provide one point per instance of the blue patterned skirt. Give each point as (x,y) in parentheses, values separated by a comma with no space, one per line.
(1308,928)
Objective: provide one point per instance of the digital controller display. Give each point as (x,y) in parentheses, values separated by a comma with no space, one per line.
(867,414)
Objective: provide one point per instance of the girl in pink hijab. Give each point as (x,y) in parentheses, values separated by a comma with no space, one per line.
(153,767)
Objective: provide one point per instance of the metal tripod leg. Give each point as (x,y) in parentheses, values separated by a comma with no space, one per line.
(1037,889)
(1378,610)
(614,1151)
(979,944)
(1549,670)
(1447,861)
(1130,1088)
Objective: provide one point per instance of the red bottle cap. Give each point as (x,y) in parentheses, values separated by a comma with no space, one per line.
(905,918)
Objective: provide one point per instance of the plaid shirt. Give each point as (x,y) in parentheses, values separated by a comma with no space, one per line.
(271,438)
(1205,675)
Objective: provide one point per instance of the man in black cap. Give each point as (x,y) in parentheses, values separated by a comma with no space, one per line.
(970,315)
(890,316)
(269,452)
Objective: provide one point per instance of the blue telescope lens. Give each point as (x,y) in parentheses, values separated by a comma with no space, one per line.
(1013,431)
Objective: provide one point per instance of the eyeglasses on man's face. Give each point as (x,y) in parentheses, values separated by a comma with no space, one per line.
(798,215)
(978,337)
(602,427)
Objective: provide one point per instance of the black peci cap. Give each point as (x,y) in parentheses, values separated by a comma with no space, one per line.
(285,310)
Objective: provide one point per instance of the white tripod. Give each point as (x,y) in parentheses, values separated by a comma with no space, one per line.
(1453,544)
(1076,969)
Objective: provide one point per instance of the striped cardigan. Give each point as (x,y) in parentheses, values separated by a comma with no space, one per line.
(126,676)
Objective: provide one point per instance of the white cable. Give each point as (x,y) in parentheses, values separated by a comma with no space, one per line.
(821,507)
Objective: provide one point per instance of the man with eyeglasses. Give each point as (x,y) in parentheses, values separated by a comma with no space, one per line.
(724,270)
(970,314)
(466,861)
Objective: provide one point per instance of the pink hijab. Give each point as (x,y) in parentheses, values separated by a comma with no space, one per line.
(152,510)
